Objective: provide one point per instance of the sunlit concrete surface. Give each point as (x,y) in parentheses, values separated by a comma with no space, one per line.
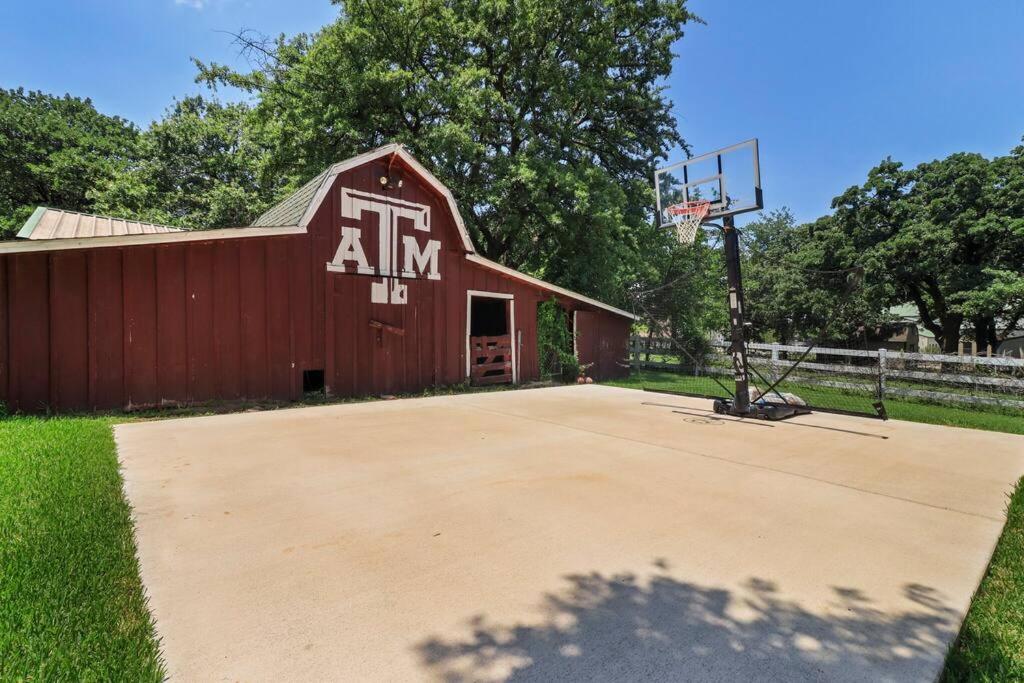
(579,533)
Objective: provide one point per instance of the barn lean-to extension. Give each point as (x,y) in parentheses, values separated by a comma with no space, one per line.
(349,284)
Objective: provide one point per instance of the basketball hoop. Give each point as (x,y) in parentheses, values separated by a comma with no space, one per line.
(687,217)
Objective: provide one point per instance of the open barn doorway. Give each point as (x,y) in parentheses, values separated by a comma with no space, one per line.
(490,353)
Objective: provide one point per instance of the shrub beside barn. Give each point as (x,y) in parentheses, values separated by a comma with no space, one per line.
(364,281)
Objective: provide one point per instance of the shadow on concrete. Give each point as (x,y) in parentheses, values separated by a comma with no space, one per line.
(627,628)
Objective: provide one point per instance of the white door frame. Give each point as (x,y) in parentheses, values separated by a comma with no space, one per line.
(470,293)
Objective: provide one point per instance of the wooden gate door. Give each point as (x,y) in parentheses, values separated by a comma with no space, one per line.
(490,360)
(491,356)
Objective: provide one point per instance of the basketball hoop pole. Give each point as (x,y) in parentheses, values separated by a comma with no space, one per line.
(741,401)
(687,203)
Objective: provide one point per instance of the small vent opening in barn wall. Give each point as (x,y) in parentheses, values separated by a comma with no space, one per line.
(312,381)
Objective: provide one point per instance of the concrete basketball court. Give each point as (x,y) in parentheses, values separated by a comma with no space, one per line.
(575,533)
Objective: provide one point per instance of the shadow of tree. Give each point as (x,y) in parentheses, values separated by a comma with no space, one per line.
(623,627)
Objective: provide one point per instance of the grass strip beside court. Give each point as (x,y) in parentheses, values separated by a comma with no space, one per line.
(996,420)
(71,601)
(991,642)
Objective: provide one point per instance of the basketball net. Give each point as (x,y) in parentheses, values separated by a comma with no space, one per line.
(687,217)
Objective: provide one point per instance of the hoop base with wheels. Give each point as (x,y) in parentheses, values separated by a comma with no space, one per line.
(760,410)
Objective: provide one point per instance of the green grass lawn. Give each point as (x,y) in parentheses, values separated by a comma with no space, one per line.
(995,419)
(71,601)
(991,643)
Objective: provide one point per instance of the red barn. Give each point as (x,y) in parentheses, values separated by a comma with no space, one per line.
(364,281)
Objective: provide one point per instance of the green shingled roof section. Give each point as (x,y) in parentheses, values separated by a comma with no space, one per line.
(30,224)
(290,211)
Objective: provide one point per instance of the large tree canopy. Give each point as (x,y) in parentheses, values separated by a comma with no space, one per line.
(53,151)
(995,304)
(544,119)
(197,168)
(804,282)
(947,236)
(679,291)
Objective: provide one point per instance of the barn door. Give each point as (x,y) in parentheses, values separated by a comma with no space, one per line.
(490,338)
(366,343)
(587,341)
(601,342)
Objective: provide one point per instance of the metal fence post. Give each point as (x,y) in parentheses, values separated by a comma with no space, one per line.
(881,374)
(775,363)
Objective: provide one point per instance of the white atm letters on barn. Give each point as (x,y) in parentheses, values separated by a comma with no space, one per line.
(415,261)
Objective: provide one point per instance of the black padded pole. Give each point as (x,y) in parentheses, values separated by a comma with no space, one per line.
(741,401)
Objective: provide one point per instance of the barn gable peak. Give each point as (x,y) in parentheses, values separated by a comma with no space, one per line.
(299,208)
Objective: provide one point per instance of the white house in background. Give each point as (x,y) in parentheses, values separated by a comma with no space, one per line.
(1012,346)
(908,313)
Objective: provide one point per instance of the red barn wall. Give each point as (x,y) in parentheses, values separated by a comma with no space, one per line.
(151,325)
(602,340)
(175,323)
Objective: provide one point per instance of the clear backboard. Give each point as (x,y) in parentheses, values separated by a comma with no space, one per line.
(729,178)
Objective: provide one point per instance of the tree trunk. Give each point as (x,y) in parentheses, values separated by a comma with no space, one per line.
(985,333)
(950,340)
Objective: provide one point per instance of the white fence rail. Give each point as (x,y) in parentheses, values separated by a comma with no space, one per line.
(938,378)
(997,361)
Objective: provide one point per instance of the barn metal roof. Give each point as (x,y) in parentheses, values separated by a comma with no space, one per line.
(55,224)
(289,211)
(542,284)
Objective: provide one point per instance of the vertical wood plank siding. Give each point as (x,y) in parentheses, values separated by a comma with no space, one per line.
(177,323)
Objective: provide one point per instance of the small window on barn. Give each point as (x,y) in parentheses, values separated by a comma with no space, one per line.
(488,317)
(312,381)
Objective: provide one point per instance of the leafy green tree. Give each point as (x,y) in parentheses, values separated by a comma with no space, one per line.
(555,342)
(53,150)
(772,278)
(545,119)
(995,304)
(199,167)
(804,282)
(948,236)
(679,290)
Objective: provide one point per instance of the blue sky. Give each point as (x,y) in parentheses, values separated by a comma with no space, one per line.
(829,87)
(132,56)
